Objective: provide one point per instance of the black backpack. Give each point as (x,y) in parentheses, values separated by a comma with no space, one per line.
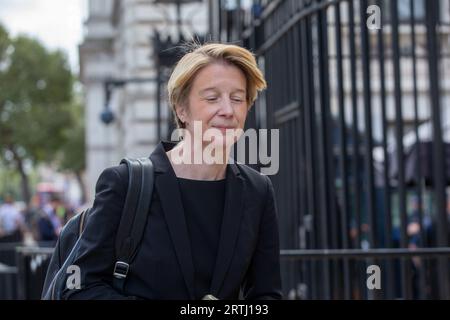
(128,237)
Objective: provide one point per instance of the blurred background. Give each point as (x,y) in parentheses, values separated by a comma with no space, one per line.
(359,89)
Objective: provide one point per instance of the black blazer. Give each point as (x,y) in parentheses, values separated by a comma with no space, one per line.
(248,256)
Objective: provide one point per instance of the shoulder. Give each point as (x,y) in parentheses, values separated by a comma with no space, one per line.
(257,181)
(115,177)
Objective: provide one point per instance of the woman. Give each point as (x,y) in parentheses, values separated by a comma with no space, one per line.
(212,225)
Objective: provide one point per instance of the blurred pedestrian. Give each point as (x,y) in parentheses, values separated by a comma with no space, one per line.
(50,223)
(33,214)
(11,221)
(55,213)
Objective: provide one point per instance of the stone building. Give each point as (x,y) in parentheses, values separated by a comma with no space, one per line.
(118,46)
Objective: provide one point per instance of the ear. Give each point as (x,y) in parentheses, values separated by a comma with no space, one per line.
(181,112)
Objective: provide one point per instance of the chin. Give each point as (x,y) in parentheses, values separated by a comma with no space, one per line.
(221,141)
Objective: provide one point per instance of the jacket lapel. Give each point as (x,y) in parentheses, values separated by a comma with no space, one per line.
(230,226)
(169,194)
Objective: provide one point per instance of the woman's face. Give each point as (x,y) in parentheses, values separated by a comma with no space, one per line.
(217,99)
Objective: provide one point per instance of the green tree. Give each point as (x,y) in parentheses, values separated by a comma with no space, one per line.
(35,100)
(73,153)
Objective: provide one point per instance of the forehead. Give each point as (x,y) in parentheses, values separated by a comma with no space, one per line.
(220,74)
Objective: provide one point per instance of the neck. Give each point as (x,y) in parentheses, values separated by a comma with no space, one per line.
(194,166)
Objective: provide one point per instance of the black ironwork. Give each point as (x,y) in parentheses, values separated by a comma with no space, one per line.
(23,270)
(167,51)
(352,102)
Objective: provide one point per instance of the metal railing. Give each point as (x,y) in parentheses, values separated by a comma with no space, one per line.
(304,268)
(22,271)
(8,282)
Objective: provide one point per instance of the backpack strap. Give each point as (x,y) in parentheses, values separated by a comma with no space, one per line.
(134,216)
(83,218)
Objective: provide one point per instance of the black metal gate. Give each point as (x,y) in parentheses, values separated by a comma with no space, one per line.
(360,91)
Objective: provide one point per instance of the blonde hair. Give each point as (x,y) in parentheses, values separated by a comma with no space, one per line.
(181,79)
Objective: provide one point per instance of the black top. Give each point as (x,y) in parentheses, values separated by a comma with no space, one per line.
(203,203)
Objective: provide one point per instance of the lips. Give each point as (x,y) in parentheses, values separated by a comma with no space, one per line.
(223,127)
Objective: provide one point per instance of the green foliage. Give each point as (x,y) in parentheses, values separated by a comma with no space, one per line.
(35,98)
(72,155)
(39,120)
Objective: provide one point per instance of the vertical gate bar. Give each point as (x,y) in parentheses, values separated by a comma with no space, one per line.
(220,18)
(288,127)
(309,163)
(287,189)
(343,147)
(239,19)
(330,158)
(405,263)
(322,146)
(438,145)
(302,160)
(294,197)
(365,52)
(296,137)
(369,183)
(356,166)
(286,53)
(158,100)
(355,132)
(387,185)
(416,120)
(421,243)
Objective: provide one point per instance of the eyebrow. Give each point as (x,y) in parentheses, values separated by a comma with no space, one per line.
(214,88)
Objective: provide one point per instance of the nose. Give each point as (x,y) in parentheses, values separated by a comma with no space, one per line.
(226,108)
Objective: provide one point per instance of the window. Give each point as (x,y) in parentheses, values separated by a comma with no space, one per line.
(404,10)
